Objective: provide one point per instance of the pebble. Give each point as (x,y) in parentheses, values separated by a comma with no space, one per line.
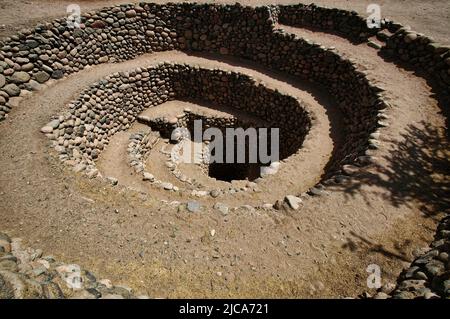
(41,76)
(20,77)
(222,208)
(148,177)
(103,59)
(215,193)
(11,89)
(112,180)
(167,186)
(381,295)
(374,45)
(47,129)
(293,201)
(314,191)
(410,37)
(98,24)
(79,167)
(193,206)
(27,67)
(130,13)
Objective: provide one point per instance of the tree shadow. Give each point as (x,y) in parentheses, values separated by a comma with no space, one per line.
(417,172)
(364,243)
(439,93)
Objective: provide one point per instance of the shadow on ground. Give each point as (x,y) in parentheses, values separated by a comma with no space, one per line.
(417,172)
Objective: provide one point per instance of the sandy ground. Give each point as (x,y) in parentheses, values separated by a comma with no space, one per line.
(320,251)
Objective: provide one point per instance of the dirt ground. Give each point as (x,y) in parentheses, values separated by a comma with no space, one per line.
(322,250)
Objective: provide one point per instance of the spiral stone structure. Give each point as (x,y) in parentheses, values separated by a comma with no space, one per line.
(100,156)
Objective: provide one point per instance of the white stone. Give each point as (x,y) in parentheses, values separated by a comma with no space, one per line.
(148,177)
(47,129)
(293,201)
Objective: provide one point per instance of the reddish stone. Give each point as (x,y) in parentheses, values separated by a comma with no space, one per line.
(98,24)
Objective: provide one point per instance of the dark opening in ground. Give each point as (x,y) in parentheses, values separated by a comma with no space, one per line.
(233,171)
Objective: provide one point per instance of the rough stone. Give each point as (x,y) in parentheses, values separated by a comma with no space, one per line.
(98,24)
(293,201)
(193,206)
(148,177)
(130,13)
(41,76)
(11,89)
(222,208)
(20,77)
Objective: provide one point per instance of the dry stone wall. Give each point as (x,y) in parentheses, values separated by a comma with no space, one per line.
(409,48)
(27,273)
(348,23)
(123,32)
(52,50)
(114,103)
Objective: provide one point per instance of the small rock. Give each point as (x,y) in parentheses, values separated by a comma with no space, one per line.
(103,59)
(20,77)
(79,167)
(33,85)
(214,193)
(47,129)
(14,102)
(167,186)
(403,295)
(27,67)
(350,169)
(148,177)
(57,74)
(374,45)
(83,294)
(314,191)
(435,268)
(410,37)
(130,13)
(106,282)
(193,206)
(443,257)
(431,295)
(41,76)
(11,89)
(222,208)
(293,201)
(381,295)
(98,24)
(54,124)
(114,181)
(420,275)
